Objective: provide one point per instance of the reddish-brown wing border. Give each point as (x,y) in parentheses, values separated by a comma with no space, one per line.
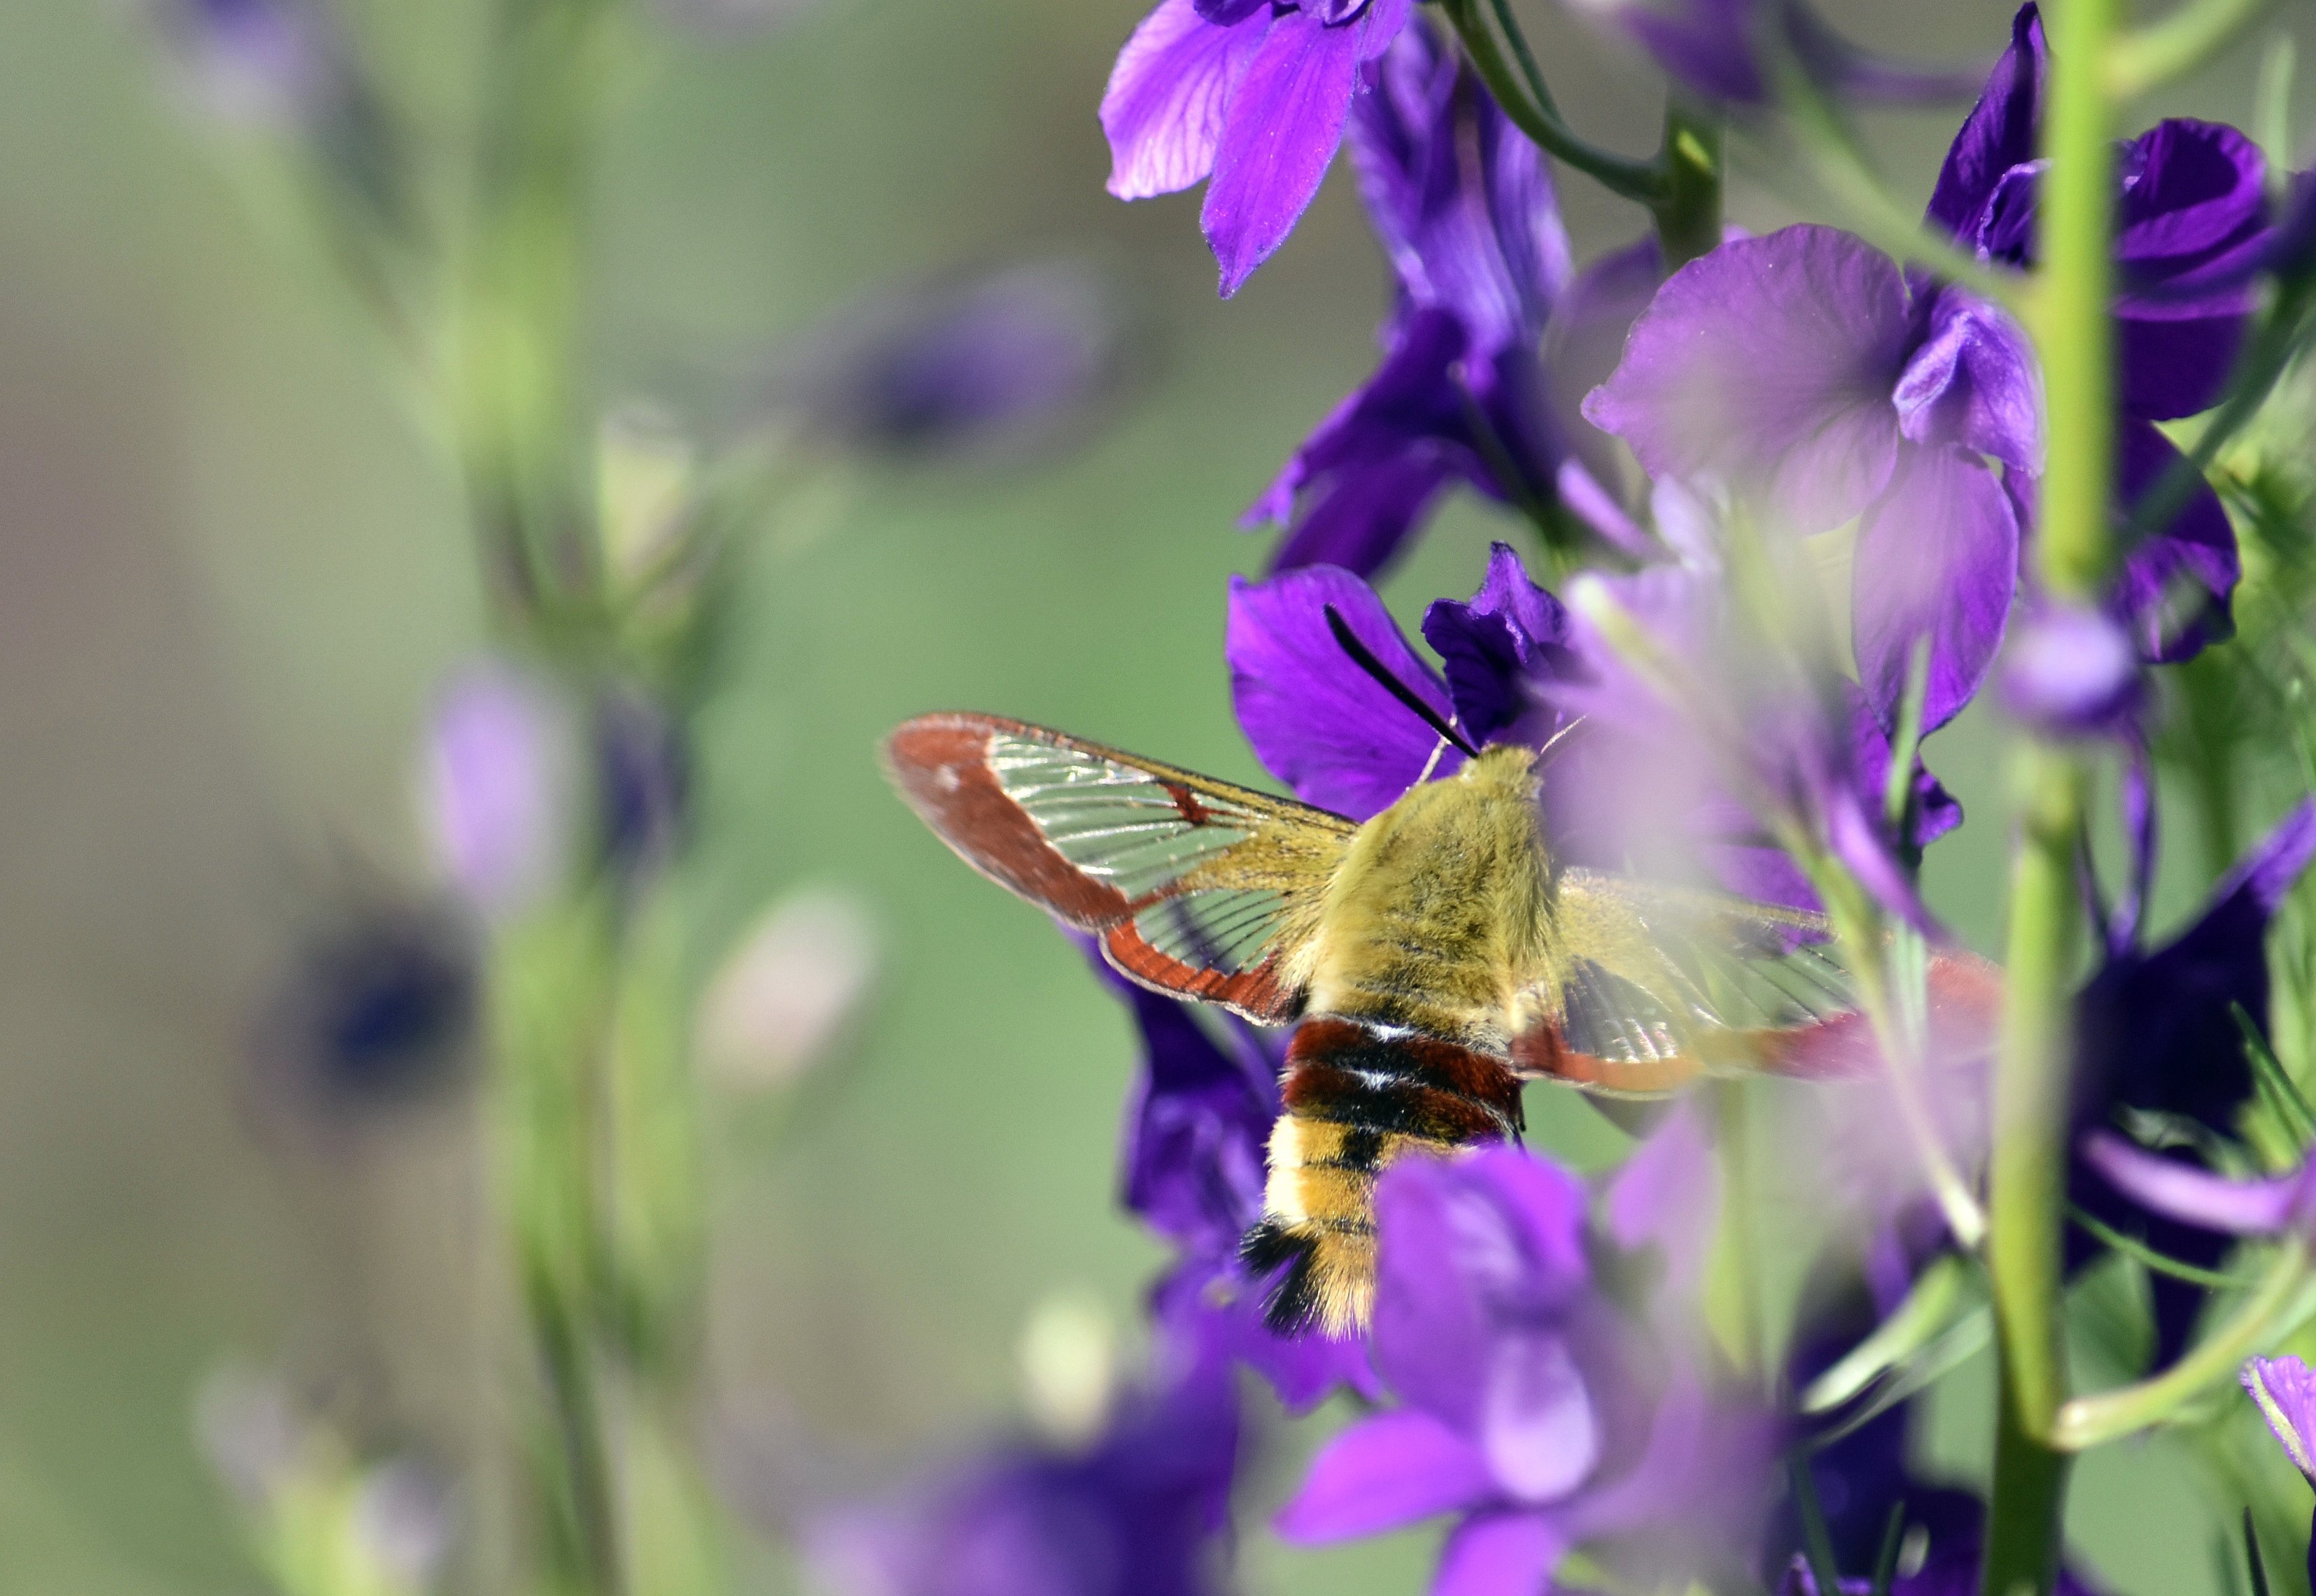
(940,764)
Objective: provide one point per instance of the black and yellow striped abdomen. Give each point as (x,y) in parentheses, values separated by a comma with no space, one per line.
(1360,1093)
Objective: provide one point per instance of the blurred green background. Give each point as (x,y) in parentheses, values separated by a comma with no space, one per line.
(233,569)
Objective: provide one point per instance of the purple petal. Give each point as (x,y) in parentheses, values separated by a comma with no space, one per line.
(2193,1196)
(1668,1195)
(1207,1310)
(1361,482)
(1937,557)
(1500,1554)
(1383,1473)
(2000,132)
(1496,647)
(1974,381)
(1285,118)
(1163,109)
(1319,722)
(1462,201)
(1537,1428)
(2195,194)
(1585,339)
(1769,364)
(2286,1390)
(503,758)
(2070,671)
(1499,1233)
(2174,588)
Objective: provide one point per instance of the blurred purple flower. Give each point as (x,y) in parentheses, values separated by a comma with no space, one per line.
(376,1010)
(1144,1511)
(1525,1408)
(1804,368)
(2159,1034)
(1328,730)
(1464,209)
(1724,49)
(1197,1128)
(267,62)
(1714,47)
(1812,748)
(2070,671)
(499,789)
(642,779)
(1003,363)
(2192,225)
(1250,94)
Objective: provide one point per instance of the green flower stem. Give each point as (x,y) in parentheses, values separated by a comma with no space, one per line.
(2150,57)
(1688,214)
(1641,181)
(2110,1416)
(2068,314)
(524,429)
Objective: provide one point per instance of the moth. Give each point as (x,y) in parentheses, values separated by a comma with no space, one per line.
(1430,959)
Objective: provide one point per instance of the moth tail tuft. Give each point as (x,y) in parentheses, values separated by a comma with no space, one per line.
(1294,1304)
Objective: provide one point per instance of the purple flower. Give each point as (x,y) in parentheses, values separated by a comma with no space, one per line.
(1192,1162)
(1004,363)
(1464,209)
(499,788)
(1714,47)
(1332,732)
(1249,95)
(2192,225)
(2159,1034)
(1144,1511)
(1765,735)
(1805,372)
(1722,49)
(267,62)
(1524,1407)
(2069,671)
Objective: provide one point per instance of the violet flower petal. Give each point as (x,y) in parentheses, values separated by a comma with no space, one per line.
(2000,132)
(2070,671)
(2286,1390)
(1385,1472)
(1281,130)
(1538,1429)
(1163,109)
(1974,381)
(1362,479)
(2174,590)
(1494,647)
(1500,1554)
(1768,365)
(1711,46)
(2193,1196)
(1937,557)
(1317,722)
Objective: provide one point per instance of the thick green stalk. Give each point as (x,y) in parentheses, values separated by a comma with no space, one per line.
(525,430)
(1687,214)
(2070,318)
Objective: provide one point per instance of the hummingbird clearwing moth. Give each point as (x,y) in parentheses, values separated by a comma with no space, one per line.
(1430,959)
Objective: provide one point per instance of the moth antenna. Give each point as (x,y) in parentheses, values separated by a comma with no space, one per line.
(1552,742)
(1364,658)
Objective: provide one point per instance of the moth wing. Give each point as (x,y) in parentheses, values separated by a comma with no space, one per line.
(1195,887)
(1651,986)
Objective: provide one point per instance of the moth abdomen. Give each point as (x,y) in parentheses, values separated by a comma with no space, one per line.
(1358,1097)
